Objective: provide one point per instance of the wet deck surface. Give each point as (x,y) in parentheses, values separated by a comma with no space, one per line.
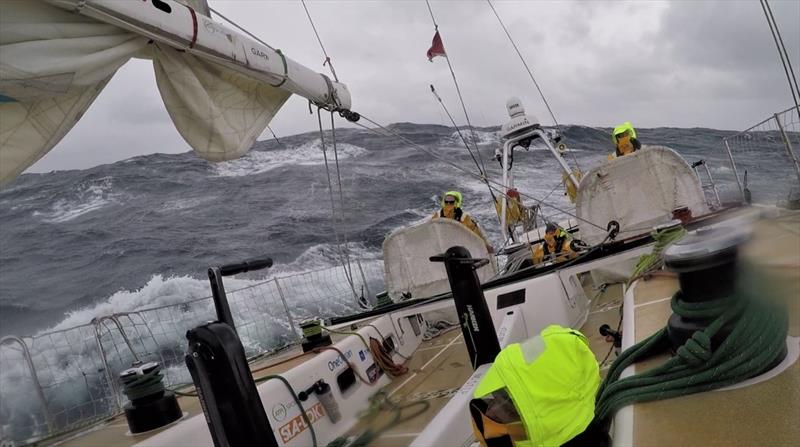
(436,371)
(761,414)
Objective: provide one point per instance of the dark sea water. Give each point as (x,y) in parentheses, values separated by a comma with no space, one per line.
(79,244)
(138,236)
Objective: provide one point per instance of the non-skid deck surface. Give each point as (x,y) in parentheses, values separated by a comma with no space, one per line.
(436,371)
(766,413)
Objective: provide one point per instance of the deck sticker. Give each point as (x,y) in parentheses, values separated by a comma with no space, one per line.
(373,373)
(297,424)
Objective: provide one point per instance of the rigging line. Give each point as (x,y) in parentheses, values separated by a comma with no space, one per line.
(333,206)
(342,209)
(241,29)
(327,58)
(465,143)
(460,97)
(458,131)
(795,88)
(274,136)
(341,199)
(499,186)
(523,62)
(530,73)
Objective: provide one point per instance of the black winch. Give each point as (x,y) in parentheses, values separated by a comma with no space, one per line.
(706,261)
(151,406)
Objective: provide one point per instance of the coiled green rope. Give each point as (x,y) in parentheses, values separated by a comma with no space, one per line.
(757,340)
(137,386)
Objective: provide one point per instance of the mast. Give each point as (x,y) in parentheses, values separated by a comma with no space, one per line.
(181,27)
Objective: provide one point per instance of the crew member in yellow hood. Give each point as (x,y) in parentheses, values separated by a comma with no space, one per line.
(557,246)
(624,139)
(540,393)
(451,209)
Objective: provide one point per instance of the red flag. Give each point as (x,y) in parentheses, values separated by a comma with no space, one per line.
(437,48)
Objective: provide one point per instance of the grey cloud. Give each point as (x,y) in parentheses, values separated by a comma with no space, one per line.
(682,64)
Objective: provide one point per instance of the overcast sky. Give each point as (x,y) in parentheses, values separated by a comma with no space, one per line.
(680,64)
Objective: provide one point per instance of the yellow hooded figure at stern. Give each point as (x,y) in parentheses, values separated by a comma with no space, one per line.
(451,209)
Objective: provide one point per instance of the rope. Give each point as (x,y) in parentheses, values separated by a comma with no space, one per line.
(530,73)
(274,136)
(655,260)
(776,35)
(342,252)
(327,58)
(137,386)
(755,343)
(460,97)
(342,213)
(384,360)
(483,172)
(378,403)
(439,328)
(383,340)
(296,401)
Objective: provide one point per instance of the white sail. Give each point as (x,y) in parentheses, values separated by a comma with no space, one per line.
(53,64)
(218,111)
(221,88)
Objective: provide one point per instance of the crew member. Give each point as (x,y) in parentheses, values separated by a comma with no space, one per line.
(451,209)
(558,245)
(540,393)
(624,139)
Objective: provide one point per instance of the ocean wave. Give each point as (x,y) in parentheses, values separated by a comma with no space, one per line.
(482,137)
(185,204)
(89,196)
(309,153)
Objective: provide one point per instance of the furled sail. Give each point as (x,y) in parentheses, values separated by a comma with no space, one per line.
(220,88)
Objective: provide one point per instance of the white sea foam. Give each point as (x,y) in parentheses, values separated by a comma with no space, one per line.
(309,153)
(89,196)
(185,204)
(482,137)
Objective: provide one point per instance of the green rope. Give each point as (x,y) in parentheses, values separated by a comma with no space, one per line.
(654,260)
(379,402)
(138,386)
(311,328)
(756,341)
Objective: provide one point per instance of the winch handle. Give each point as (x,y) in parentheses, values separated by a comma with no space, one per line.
(245,266)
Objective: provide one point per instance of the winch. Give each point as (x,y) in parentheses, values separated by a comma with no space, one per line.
(706,263)
(151,406)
